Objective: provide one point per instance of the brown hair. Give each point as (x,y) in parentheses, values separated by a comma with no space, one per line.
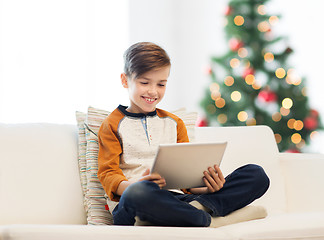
(143,57)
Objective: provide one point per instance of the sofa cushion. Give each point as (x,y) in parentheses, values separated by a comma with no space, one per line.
(304,181)
(39,177)
(251,144)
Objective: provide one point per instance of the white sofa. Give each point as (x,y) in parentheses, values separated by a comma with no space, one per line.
(41,196)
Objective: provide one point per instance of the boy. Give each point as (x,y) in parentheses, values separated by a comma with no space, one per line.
(128,141)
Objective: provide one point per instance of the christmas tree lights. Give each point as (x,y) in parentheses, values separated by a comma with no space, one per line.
(253,84)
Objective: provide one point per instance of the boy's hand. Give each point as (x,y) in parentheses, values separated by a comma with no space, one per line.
(214,179)
(154,177)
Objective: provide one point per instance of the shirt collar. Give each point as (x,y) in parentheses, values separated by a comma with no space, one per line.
(136,115)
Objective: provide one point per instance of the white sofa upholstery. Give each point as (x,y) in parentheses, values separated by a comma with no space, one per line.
(41,195)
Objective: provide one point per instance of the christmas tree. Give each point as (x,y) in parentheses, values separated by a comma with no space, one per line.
(253,84)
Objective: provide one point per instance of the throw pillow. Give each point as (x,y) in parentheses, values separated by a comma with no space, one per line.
(189,119)
(82,149)
(97,212)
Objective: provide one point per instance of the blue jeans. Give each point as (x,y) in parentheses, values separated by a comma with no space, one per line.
(164,208)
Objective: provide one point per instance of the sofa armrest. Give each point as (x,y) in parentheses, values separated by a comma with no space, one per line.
(304,181)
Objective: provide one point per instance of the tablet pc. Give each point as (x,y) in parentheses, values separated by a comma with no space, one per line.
(182,164)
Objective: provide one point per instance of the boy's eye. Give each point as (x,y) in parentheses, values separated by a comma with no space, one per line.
(161,85)
(144,83)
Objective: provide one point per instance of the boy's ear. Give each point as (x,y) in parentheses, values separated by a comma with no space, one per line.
(123,78)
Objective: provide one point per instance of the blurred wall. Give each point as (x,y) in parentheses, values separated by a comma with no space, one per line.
(190,31)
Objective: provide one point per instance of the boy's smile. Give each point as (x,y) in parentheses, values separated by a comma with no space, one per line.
(146,91)
(150,100)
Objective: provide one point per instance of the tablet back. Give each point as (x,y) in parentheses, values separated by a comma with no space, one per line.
(182,164)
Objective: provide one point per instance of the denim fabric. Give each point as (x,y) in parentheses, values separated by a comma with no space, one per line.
(164,208)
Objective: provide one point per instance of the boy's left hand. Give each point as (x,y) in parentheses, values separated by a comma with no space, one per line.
(214,179)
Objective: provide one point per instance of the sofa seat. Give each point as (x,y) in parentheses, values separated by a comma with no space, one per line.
(87,232)
(287,226)
(278,227)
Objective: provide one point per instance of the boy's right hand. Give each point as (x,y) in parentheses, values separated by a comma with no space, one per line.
(154,177)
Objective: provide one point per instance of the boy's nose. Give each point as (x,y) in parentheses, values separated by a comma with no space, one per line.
(152,91)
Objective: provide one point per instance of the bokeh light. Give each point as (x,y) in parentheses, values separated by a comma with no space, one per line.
(301,144)
(298,125)
(222,118)
(236,96)
(284,111)
(214,87)
(296,138)
(276,117)
(242,52)
(229,81)
(291,123)
(211,108)
(234,63)
(242,116)
(293,77)
(239,20)
(313,135)
(268,57)
(263,26)
(262,10)
(273,20)
(214,95)
(287,103)
(256,86)
(249,79)
(280,73)
(278,137)
(220,102)
(251,122)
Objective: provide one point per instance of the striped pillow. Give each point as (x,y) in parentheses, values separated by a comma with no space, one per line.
(95,197)
(97,212)
(93,193)
(81,117)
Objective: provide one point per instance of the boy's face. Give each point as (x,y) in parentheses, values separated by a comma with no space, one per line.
(146,91)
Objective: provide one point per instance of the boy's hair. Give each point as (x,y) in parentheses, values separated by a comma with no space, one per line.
(143,57)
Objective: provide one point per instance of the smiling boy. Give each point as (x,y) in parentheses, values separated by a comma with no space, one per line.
(128,141)
(147,90)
